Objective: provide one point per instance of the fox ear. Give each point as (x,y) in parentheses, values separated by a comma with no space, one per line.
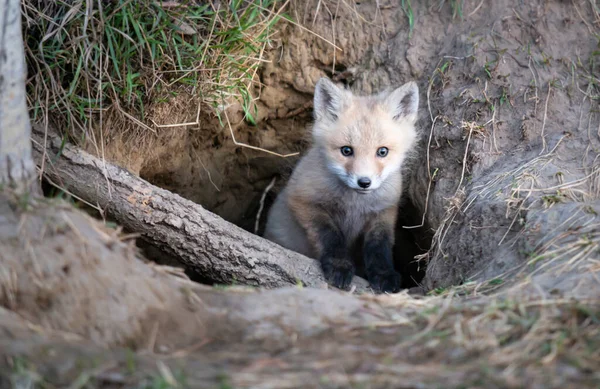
(404,102)
(329,99)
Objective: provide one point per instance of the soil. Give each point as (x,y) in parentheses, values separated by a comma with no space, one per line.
(506,178)
(93,314)
(507,84)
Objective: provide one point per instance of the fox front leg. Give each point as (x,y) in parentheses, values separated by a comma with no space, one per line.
(377,253)
(335,262)
(327,241)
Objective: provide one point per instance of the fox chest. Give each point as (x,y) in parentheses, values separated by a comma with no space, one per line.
(355,218)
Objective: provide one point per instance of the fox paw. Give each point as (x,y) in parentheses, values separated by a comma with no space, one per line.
(386,282)
(338,272)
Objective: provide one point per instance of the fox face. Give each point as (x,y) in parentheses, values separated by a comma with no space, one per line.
(364,139)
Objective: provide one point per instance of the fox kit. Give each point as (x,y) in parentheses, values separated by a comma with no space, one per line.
(340,204)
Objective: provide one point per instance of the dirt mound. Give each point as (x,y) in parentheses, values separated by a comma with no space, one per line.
(68,274)
(508,120)
(507,184)
(513,109)
(508,127)
(79,308)
(508,124)
(200,337)
(60,272)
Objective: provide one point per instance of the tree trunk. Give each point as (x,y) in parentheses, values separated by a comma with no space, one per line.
(16,166)
(199,239)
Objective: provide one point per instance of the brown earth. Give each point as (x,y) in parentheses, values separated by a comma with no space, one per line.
(81,309)
(511,87)
(507,176)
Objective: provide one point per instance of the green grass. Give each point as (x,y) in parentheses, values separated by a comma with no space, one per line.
(85,59)
(408,11)
(551,199)
(456,6)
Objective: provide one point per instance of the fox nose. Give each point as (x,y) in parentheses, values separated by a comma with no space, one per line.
(364,182)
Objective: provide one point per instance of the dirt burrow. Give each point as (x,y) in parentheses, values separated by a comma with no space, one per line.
(501,203)
(509,85)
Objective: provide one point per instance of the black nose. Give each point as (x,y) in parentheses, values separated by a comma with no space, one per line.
(364,182)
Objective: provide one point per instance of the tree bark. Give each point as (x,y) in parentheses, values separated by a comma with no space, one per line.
(200,240)
(16,166)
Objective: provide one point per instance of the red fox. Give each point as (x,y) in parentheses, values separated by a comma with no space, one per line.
(340,204)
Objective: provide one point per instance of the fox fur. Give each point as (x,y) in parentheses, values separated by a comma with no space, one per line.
(341,202)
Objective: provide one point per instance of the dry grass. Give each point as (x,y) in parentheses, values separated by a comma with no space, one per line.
(459,339)
(447,341)
(561,249)
(484,334)
(89,61)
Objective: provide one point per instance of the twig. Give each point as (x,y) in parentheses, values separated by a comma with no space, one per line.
(187,351)
(207,172)
(544,121)
(476,9)
(494,130)
(253,147)
(462,175)
(303,28)
(262,204)
(173,125)
(431,177)
(590,28)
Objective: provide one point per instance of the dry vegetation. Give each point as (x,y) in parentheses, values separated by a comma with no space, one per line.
(105,69)
(97,65)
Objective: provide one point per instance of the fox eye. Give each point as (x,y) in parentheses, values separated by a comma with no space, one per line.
(347,151)
(382,152)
